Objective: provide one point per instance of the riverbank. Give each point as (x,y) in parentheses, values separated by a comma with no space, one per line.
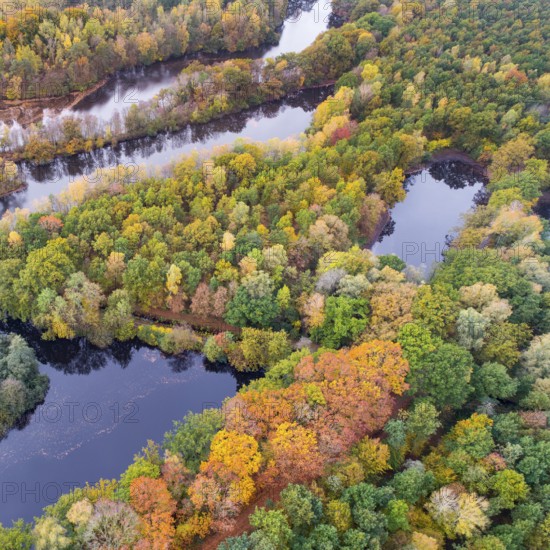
(450,155)
(29,111)
(19,157)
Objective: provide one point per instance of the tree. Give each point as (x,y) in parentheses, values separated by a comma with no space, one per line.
(153,502)
(389,185)
(201,304)
(366,502)
(191,438)
(254,302)
(412,484)
(443,376)
(140,468)
(435,308)
(503,342)
(296,453)
(373,456)
(391,309)
(50,535)
(80,513)
(22,386)
(302,508)
(118,318)
(510,487)
(111,525)
(470,329)
(344,319)
(493,380)
(396,513)
(225,481)
(262,349)
(536,359)
(472,435)
(271,528)
(459,513)
(16,537)
(421,422)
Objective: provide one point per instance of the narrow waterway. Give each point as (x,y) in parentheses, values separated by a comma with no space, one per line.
(281,119)
(304,22)
(103,405)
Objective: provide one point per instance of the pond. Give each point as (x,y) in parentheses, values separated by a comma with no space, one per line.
(420,227)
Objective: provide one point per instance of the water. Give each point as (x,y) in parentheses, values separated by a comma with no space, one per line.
(420,226)
(281,119)
(301,28)
(304,22)
(103,405)
(101,408)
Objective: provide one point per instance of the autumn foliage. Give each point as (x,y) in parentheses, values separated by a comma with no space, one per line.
(153,502)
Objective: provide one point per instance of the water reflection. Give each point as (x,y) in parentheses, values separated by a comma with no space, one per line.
(101,408)
(305,20)
(421,226)
(280,119)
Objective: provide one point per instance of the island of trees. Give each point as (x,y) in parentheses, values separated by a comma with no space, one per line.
(51,49)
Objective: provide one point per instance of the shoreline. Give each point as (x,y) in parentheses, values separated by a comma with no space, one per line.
(445,155)
(18,158)
(16,110)
(450,155)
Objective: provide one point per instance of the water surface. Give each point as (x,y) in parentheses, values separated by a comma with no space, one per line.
(101,408)
(420,226)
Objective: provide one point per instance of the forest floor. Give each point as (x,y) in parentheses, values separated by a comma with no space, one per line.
(209,323)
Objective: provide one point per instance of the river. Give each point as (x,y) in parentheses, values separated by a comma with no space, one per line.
(304,22)
(103,405)
(281,119)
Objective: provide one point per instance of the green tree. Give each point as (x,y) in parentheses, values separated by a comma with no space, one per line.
(191,438)
(16,537)
(345,319)
(443,376)
(271,528)
(510,487)
(302,508)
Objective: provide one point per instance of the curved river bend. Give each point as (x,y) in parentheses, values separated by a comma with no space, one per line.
(103,405)
(280,119)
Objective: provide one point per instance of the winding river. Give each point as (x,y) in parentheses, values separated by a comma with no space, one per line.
(103,405)
(281,119)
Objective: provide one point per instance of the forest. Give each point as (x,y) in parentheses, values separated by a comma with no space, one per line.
(49,49)
(202,93)
(22,387)
(396,409)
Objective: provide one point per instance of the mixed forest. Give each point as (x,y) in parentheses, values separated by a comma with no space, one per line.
(397,409)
